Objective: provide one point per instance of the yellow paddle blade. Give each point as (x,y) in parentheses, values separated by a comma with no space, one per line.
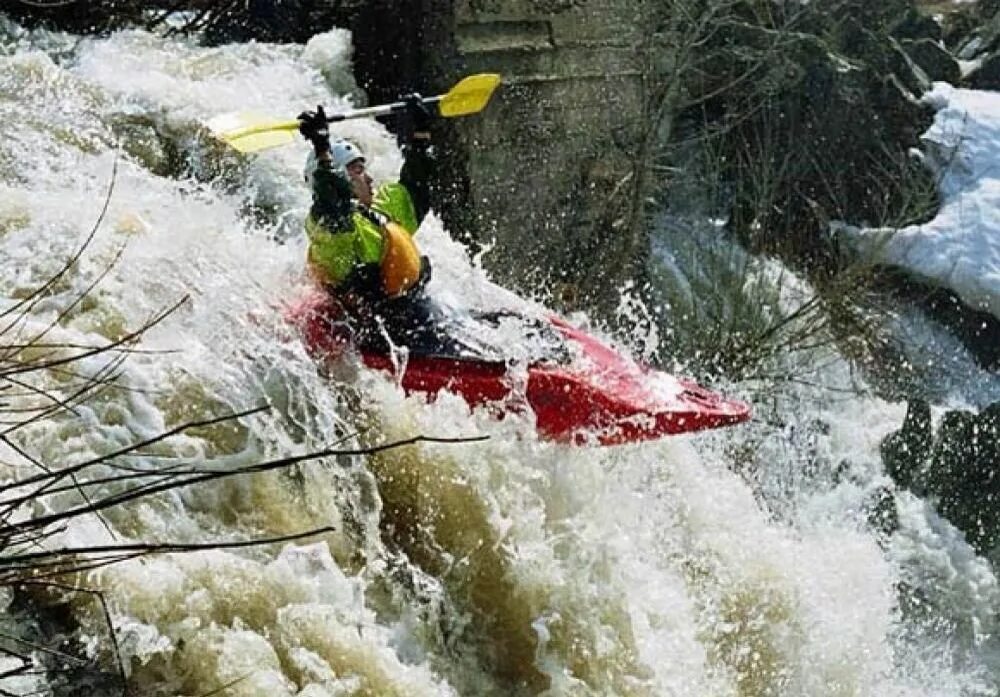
(255,142)
(469,96)
(251,132)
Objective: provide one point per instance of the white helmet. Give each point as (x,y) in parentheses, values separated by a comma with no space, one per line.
(342,153)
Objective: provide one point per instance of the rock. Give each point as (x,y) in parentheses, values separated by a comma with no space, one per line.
(987,444)
(905,452)
(951,456)
(962,478)
(877,16)
(976,34)
(934,59)
(881,512)
(277,21)
(885,56)
(986,76)
(914,25)
(955,469)
(958,27)
(88,17)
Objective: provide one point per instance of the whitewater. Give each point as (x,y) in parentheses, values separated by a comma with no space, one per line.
(735,563)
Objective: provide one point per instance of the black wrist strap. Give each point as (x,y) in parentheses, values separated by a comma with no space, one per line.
(321,146)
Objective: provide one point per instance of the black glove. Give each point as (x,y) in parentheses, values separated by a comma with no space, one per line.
(416,118)
(315,127)
(420,116)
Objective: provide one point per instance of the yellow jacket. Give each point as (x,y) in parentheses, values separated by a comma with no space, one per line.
(358,240)
(343,236)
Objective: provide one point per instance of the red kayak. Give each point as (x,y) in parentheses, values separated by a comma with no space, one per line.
(581,390)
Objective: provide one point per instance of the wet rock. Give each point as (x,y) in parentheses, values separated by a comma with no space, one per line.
(880,508)
(915,25)
(974,31)
(90,17)
(906,450)
(958,27)
(986,76)
(278,21)
(884,55)
(951,459)
(954,468)
(934,59)
(261,20)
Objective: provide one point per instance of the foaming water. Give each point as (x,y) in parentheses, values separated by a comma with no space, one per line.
(504,566)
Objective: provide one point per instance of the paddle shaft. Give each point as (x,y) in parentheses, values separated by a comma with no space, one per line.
(251,133)
(363,113)
(380,110)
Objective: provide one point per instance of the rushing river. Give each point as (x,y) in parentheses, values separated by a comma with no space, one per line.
(739,562)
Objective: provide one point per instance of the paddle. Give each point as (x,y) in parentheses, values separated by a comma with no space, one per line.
(249,132)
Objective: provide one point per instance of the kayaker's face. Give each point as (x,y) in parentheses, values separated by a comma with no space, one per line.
(361,183)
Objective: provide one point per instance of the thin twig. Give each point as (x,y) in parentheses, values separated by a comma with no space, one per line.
(119,499)
(147,548)
(131,336)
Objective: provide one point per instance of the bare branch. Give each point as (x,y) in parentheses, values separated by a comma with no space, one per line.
(144,491)
(146,548)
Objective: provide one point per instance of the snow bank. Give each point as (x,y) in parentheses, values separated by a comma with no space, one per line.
(960,248)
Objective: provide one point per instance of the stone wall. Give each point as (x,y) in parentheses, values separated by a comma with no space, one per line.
(534,173)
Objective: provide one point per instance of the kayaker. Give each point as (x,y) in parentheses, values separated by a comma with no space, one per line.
(360,246)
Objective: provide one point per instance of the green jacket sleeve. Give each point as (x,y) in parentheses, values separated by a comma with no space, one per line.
(419,169)
(331,194)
